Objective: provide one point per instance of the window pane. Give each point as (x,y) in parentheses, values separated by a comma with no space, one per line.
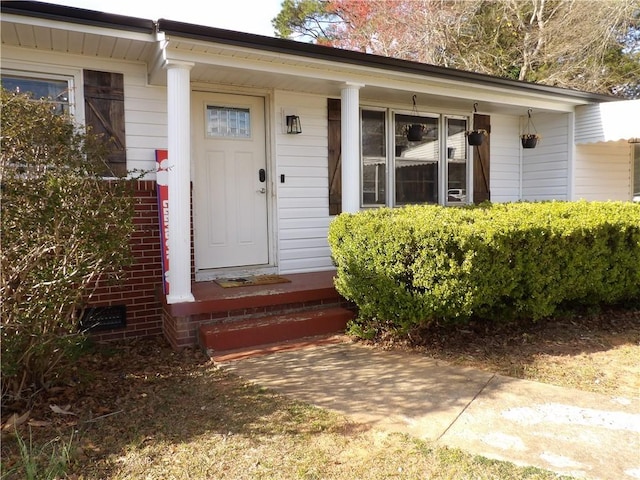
(374,165)
(228,122)
(457,151)
(417,152)
(55,91)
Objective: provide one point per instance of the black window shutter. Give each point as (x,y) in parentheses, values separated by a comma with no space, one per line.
(335,157)
(481,160)
(104,115)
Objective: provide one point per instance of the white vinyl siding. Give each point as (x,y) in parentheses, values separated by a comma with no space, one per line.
(145,112)
(603,171)
(505,158)
(588,124)
(545,169)
(303,198)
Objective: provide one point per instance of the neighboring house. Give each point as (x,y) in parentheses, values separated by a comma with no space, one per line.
(246,195)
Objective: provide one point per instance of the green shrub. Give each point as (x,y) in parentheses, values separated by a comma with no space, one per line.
(408,267)
(63,227)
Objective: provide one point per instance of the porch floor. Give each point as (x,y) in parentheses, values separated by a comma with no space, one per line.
(212,298)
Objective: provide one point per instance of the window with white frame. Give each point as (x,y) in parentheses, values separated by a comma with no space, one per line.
(54,89)
(374,157)
(416,159)
(411,159)
(457,160)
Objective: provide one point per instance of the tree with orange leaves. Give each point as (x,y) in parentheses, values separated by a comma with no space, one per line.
(587,44)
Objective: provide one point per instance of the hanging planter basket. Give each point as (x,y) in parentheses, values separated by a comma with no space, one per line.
(414,132)
(529,139)
(476,137)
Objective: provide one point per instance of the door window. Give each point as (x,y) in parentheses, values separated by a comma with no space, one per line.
(228,122)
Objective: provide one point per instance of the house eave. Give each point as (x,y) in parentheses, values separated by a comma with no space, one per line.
(320,52)
(412,75)
(60,13)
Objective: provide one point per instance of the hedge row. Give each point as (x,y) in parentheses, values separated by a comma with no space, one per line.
(410,266)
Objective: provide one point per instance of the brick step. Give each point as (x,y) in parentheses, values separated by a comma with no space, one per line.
(297,344)
(232,336)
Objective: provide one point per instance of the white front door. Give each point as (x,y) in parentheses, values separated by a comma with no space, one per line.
(229,181)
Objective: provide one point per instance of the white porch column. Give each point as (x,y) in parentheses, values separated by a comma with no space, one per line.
(350,134)
(179,179)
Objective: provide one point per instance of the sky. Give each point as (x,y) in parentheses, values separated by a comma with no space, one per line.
(249,16)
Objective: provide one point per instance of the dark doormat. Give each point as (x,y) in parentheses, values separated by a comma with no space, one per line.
(251,280)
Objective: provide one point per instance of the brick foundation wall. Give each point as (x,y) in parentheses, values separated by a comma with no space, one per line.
(139,291)
(178,330)
(182,332)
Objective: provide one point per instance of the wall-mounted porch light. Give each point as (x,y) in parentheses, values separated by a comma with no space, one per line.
(293,124)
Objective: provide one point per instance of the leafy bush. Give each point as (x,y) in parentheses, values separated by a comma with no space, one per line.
(408,267)
(63,228)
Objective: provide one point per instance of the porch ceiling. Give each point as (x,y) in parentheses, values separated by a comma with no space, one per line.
(399,96)
(89,40)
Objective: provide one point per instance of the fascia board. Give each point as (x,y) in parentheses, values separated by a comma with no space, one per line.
(79,28)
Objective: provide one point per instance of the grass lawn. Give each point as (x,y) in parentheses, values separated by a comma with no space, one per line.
(139,410)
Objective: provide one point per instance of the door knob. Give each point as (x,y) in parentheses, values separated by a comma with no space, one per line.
(262,190)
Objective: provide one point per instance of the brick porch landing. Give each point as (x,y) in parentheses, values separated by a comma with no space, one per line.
(221,320)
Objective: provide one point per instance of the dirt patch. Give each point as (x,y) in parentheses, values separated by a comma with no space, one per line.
(596,353)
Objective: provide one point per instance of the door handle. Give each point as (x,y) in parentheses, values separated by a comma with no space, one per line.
(262,175)
(262,190)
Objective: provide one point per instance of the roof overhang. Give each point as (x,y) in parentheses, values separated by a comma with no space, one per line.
(55,28)
(327,70)
(382,76)
(79,16)
(244,60)
(346,57)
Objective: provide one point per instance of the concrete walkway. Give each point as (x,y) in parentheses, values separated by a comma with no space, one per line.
(563,430)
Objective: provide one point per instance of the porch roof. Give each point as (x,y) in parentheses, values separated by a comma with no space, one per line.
(248,60)
(350,57)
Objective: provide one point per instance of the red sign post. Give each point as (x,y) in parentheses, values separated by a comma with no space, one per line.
(162,176)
